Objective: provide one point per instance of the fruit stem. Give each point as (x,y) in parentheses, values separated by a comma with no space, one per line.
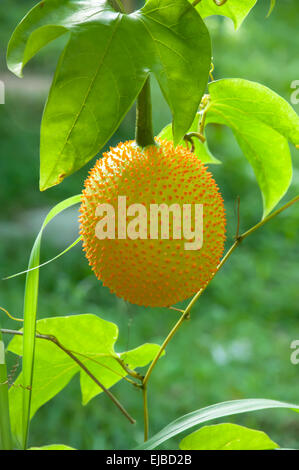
(144,135)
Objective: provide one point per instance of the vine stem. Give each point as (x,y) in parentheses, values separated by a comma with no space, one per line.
(186,313)
(54,340)
(145,411)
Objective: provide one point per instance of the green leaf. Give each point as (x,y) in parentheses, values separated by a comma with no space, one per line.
(200,149)
(237,10)
(53,447)
(262,123)
(30,310)
(92,340)
(94,86)
(227,437)
(45,22)
(208,413)
(182,58)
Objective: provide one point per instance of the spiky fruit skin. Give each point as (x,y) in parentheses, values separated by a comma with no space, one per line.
(152,272)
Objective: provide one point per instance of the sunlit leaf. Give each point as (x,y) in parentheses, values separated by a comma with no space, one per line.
(45,22)
(92,340)
(227,437)
(53,447)
(237,10)
(103,68)
(262,123)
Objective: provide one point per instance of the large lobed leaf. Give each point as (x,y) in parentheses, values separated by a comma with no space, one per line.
(103,68)
(45,22)
(92,340)
(262,123)
(227,436)
(236,10)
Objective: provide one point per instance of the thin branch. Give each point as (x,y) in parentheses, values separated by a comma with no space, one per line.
(165,343)
(176,309)
(105,365)
(129,371)
(186,313)
(188,138)
(271,216)
(10,315)
(54,340)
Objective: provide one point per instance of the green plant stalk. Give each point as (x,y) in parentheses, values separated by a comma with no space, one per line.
(5,430)
(144,135)
(186,313)
(145,411)
(30,313)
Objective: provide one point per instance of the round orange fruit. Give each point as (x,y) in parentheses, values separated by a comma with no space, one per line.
(133,247)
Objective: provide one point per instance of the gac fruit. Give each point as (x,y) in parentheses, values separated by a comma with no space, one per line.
(156,272)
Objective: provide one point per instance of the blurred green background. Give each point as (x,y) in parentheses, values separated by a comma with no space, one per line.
(237,344)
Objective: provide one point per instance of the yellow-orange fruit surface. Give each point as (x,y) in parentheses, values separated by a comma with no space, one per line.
(152,272)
